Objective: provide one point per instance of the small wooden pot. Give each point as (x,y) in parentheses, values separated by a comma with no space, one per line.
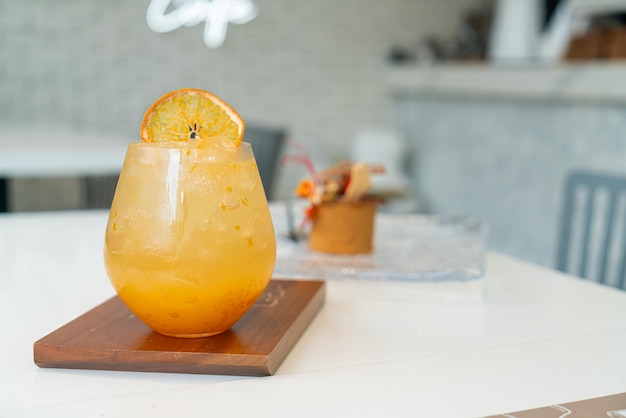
(343,227)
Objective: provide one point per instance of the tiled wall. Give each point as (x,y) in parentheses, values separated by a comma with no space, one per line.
(313,67)
(506,161)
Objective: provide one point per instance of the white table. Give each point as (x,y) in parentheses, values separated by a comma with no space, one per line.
(538,338)
(56,152)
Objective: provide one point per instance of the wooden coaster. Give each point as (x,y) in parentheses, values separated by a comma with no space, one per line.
(111,337)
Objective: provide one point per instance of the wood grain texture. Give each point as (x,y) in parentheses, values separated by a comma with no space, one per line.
(110,337)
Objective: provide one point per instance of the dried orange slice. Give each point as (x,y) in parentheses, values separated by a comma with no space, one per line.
(189,115)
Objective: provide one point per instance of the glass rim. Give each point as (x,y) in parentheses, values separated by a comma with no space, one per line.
(185,145)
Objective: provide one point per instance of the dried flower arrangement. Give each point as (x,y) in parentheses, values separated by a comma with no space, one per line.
(343,189)
(346,180)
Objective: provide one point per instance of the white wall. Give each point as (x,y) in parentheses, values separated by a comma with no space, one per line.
(314,67)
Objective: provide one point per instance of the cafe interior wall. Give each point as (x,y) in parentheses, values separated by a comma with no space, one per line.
(506,160)
(315,68)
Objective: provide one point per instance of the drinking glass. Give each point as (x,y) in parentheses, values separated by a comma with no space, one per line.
(189,244)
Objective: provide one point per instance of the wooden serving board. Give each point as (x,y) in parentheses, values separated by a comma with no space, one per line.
(110,337)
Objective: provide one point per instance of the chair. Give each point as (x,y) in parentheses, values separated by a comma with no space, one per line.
(4,194)
(592,241)
(267,145)
(98,191)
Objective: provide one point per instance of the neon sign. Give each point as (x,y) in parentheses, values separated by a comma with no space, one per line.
(216,15)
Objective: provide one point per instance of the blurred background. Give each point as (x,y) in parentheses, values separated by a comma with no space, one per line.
(477,107)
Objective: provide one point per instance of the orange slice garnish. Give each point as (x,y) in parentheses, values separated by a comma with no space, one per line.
(191,115)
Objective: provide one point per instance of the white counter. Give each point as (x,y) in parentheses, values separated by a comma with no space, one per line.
(48,152)
(595,82)
(59,152)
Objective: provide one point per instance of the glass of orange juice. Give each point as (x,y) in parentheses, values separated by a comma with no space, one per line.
(189,244)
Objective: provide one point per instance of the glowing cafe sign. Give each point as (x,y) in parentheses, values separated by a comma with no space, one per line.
(216,15)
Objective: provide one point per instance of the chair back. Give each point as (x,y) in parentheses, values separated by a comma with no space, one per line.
(592,241)
(98,191)
(267,146)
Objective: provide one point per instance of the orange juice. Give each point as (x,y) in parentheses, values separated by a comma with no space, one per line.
(189,242)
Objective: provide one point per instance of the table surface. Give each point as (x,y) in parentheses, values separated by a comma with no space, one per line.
(537,337)
(59,152)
